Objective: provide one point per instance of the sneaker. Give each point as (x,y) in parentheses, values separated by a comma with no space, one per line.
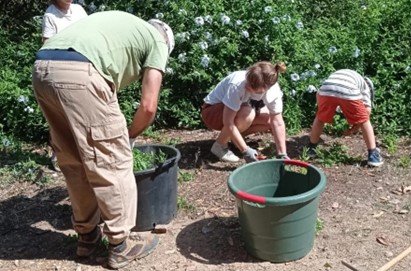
(224,154)
(88,243)
(134,247)
(374,158)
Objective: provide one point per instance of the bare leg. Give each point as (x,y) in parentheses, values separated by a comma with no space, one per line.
(243,120)
(316,131)
(259,124)
(368,135)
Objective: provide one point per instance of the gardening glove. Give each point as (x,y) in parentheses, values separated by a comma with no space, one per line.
(250,155)
(283,156)
(131,141)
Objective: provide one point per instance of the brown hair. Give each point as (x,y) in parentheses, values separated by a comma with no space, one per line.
(264,74)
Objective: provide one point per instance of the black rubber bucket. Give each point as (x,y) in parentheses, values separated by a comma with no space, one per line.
(157,189)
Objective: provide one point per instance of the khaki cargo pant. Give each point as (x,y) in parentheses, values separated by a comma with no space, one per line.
(90,138)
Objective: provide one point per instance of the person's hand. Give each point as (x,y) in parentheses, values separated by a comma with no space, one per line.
(250,155)
(131,141)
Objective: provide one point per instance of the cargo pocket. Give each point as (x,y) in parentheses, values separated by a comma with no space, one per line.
(110,144)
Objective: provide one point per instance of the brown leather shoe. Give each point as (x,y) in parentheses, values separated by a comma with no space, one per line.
(136,246)
(88,243)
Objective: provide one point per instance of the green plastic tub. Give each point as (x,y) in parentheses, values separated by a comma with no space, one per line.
(277,202)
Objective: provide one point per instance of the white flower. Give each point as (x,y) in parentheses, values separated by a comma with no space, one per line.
(208,36)
(295,77)
(299,25)
(332,49)
(260,21)
(268,9)
(130,9)
(159,15)
(266,38)
(208,19)
(293,92)
(205,60)
(311,89)
(169,70)
(102,8)
(92,7)
(356,52)
(276,20)
(364,7)
(182,12)
(182,57)
(183,36)
(312,74)
(407,69)
(28,109)
(199,21)
(245,34)
(304,75)
(203,45)
(225,19)
(238,22)
(22,99)
(317,66)
(5,142)
(286,18)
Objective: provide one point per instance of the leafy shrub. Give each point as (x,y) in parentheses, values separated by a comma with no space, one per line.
(213,38)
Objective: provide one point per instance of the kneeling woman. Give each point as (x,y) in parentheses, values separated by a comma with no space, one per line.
(243,103)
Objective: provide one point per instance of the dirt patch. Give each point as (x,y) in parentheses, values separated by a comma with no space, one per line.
(365,214)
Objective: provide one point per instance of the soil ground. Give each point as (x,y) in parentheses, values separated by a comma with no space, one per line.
(365,214)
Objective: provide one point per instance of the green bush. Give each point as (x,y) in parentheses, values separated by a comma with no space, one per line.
(213,38)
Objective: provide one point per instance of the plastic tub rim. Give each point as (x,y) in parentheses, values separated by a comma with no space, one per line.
(278,201)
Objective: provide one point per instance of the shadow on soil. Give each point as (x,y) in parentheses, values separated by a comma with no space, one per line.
(196,154)
(30,227)
(213,241)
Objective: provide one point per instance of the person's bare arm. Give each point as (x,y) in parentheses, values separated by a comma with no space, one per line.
(278,130)
(146,112)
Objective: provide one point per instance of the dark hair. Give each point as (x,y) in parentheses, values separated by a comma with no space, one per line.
(264,74)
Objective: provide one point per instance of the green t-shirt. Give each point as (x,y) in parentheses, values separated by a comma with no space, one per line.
(119,45)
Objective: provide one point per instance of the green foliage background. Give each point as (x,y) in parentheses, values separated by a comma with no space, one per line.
(313,38)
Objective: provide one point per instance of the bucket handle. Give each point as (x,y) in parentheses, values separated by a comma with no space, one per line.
(296,163)
(250,197)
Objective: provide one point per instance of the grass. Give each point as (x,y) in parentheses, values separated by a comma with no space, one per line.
(304,155)
(404,161)
(390,142)
(183,204)
(334,155)
(319,226)
(19,162)
(185,176)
